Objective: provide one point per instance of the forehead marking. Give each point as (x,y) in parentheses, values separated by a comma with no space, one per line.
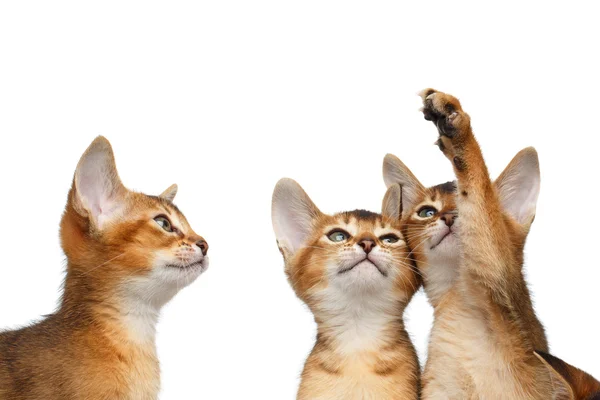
(166,209)
(446,188)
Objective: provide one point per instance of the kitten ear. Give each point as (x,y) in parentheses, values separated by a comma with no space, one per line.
(392,202)
(519,185)
(292,214)
(395,172)
(169,193)
(569,382)
(97,189)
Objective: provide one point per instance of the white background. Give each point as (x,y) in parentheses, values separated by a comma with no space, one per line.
(226,97)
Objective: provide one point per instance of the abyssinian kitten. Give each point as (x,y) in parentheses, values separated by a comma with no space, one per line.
(127,255)
(352,271)
(467,239)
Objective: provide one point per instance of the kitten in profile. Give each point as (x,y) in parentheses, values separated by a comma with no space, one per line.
(127,255)
(467,239)
(352,271)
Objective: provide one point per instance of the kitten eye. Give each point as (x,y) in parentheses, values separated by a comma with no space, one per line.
(389,239)
(164,223)
(427,212)
(338,236)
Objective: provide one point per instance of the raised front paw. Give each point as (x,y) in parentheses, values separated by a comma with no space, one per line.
(445,112)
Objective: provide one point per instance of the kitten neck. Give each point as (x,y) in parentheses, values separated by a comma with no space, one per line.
(438,279)
(118,311)
(357,323)
(139,321)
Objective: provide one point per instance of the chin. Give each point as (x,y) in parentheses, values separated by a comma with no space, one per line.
(163,282)
(449,241)
(363,276)
(446,243)
(446,250)
(181,275)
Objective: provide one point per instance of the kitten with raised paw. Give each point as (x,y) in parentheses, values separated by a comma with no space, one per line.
(467,239)
(127,255)
(352,269)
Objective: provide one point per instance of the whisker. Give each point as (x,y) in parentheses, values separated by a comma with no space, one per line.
(104,263)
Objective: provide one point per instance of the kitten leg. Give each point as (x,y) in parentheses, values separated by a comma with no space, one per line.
(493,289)
(492,262)
(481,217)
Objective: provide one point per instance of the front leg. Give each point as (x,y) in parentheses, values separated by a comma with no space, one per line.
(491,281)
(478,206)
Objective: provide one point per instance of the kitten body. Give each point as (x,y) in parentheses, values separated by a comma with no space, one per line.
(357,288)
(127,255)
(467,240)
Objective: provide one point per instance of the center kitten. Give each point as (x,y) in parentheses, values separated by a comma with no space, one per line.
(127,255)
(352,269)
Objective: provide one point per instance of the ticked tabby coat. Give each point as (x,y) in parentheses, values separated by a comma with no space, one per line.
(127,255)
(352,271)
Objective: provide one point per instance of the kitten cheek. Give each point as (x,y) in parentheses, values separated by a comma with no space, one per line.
(163,258)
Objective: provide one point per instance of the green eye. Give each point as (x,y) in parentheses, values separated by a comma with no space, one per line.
(427,212)
(389,239)
(338,236)
(164,223)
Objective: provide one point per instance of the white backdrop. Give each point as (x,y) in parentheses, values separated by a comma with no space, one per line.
(224,98)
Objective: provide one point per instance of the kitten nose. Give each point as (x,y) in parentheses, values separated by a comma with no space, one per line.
(367,245)
(203,246)
(449,219)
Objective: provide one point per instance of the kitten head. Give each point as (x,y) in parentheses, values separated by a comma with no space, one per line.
(116,239)
(347,255)
(431,223)
(570,383)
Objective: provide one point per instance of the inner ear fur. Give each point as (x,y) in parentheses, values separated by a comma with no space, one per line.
(169,193)
(569,382)
(518,186)
(97,191)
(396,172)
(392,202)
(293,214)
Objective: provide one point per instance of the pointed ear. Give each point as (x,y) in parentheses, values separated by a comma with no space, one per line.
(292,214)
(169,193)
(562,388)
(570,382)
(395,172)
(97,190)
(519,185)
(392,202)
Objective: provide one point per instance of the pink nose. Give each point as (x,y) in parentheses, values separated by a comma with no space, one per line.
(449,219)
(367,245)
(203,246)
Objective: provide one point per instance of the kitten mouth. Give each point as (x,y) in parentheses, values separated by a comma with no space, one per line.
(442,239)
(194,265)
(348,269)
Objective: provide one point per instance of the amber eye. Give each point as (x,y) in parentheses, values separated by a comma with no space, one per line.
(427,212)
(338,236)
(389,239)
(164,223)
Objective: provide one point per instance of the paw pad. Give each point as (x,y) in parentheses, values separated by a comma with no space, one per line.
(443,110)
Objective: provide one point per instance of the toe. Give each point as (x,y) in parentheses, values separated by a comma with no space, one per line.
(426,93)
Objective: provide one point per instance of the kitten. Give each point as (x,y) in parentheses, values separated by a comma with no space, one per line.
(485,330)
(352,271)
(127,255)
